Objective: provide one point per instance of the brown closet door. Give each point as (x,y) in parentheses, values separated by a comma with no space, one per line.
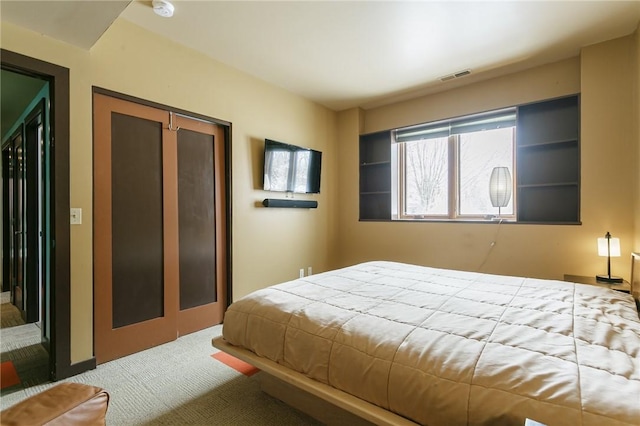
(135,228)
(159,226)
(201,224)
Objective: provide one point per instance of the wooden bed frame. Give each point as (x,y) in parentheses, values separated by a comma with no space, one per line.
(322,402)
(330,405)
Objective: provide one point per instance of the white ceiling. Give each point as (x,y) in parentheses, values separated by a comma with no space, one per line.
(80,23)
(363,53)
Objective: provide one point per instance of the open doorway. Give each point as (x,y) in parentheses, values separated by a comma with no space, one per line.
(25,313)
(52,258)
(25,155)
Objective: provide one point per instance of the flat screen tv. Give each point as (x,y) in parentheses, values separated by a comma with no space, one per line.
(290,168)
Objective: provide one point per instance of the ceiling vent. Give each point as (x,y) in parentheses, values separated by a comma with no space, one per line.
(455,75)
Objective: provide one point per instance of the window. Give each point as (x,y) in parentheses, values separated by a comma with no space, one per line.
(442,170)
(439,171)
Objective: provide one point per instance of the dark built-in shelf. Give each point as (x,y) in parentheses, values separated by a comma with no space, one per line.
(375,176)
(548,161)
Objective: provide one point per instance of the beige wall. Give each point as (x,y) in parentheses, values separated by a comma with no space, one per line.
(530,250)
(269,245)
(636,115)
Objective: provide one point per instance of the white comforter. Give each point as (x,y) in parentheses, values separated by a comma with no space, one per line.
(444,347)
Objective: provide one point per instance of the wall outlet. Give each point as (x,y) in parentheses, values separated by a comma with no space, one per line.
(309,271)
(301,272)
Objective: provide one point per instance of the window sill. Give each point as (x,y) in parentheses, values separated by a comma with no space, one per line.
(460,220)
(477,221)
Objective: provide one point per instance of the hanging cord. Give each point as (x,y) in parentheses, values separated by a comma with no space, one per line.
(491,246)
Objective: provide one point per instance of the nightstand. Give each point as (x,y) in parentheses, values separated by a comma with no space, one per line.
(623,286)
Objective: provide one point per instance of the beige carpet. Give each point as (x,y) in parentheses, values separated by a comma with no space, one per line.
(20,344)
(179,383)
(10,316)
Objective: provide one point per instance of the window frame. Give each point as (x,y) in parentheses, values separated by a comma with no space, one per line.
(398,167)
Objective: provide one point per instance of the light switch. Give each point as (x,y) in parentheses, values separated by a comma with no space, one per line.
(76,216)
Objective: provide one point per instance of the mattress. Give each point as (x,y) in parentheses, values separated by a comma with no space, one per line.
(445,347)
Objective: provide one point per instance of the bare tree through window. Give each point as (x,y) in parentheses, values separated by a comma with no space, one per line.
(480,152)
(427,172)
(426,176)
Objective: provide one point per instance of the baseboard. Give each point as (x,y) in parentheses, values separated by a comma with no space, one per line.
(65,371)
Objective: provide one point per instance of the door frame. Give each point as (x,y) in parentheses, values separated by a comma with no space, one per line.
(60,366)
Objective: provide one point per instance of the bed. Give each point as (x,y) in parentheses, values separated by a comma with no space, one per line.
(393,343)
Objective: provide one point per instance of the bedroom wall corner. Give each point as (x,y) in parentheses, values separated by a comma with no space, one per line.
(608,144)
(350,124)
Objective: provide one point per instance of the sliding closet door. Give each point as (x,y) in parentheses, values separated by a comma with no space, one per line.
(159,226)
(135,228)
(201,219)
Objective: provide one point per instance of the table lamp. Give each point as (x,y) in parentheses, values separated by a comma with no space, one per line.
(500,187)
(608,247)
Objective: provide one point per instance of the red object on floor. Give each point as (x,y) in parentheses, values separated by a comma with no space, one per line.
(235,363)
(8,375)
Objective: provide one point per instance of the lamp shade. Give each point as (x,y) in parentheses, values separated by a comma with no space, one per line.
(500,187)
(614,246)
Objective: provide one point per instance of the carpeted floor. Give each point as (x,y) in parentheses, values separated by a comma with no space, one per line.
(9,314)
(178,383)
(20,345)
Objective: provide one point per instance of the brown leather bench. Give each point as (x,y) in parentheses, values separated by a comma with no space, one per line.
(68,404)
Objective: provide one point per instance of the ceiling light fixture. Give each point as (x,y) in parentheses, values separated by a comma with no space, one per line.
(163,8)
